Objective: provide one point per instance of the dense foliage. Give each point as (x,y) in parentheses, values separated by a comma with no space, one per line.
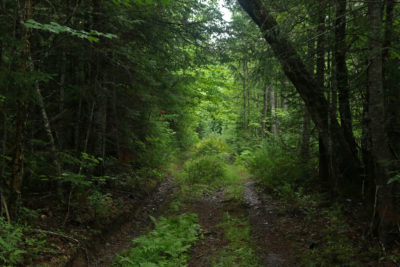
(97,97)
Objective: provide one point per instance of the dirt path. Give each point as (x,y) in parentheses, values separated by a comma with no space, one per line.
(210,210)
(104,253)
(271,246)
(264,219)
(260,213)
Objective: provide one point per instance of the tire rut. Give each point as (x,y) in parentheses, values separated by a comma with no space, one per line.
(264,220)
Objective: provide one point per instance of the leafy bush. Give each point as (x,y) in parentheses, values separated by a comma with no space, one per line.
(205,169)
(166,245)
(275,167)
(211,146)
(244,158)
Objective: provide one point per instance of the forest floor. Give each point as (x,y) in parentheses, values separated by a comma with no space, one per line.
(240,225)
(238,207)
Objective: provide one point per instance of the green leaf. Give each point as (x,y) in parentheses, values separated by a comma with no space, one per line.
(54,27)
(92,39)
(394,179)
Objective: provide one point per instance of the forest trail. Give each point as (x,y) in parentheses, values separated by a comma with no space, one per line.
(264,219)
(248,214)
(104,253)
(270,246)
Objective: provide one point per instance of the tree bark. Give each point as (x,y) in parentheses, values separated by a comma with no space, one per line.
(386,211)
(21,115)
(47,128)
(244,91)
(306,130)
(305,137)
(345,160)
(264,111)
(272,101)
(341,73)
(390,81)
(320,76)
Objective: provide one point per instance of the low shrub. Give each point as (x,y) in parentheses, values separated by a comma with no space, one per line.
(100,204)
(274,167)
(211,146)
(205,169)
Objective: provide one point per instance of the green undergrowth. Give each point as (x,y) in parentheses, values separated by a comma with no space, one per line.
(334,245)
(211,146)
(240,249)
(164,246)
(275,167)
(236,177)
(203,174)
(205,171)
(20,244)
(229,178)
(290,179)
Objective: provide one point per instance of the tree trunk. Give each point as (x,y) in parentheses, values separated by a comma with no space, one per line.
(391,86)
(345,161)
(272,101)
(100,116)
(386,211)
(62,80)
(47,128)
(306,130)
(21,114)
(248,96)
(305,137)
(341,73)
(116,124)
(264,111)
(244,69)
(320,76)
(368,188)
(80,79)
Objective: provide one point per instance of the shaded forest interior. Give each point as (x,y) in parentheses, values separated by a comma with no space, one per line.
(99,98)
